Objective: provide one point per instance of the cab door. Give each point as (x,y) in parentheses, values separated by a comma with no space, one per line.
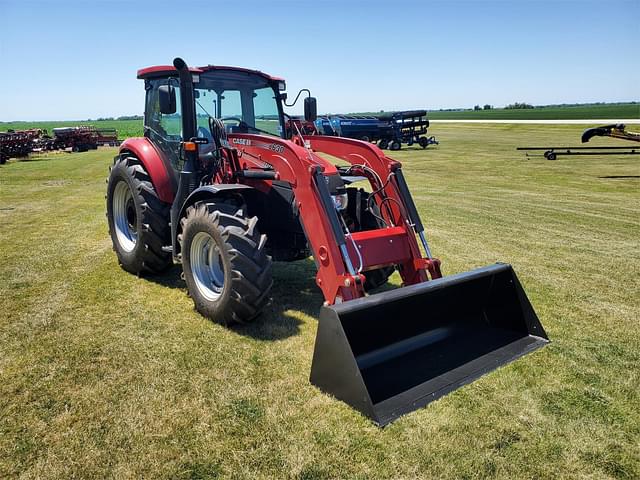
(164,130)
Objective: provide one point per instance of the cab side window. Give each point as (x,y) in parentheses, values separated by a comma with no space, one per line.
(164,129)
(265,112)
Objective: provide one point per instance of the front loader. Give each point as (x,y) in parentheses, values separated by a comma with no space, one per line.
(219,185)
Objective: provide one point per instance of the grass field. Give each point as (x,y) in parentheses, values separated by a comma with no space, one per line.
(106,375)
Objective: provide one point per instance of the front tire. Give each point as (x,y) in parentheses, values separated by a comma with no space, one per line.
(138,219)
(226,268)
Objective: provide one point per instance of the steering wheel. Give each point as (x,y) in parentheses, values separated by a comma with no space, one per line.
(241,123)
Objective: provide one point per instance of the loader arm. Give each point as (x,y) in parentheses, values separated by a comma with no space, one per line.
(337,255)
(400,206)
(297,166)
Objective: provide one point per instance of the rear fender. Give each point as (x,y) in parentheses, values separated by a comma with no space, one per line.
(160,171)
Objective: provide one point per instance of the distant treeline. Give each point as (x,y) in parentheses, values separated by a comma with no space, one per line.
(524,106)
(527,111)
(110,119)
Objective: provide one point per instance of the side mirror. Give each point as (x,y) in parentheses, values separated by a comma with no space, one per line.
(167,98)
(310,109)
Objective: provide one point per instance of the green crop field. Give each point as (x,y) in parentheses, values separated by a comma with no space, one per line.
(133,128)
(568,112)
(577,112)
(107,375)
(125,128)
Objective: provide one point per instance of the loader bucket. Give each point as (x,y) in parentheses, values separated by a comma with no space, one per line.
(396,351)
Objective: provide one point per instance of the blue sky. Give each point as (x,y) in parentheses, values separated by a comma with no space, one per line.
(77,60)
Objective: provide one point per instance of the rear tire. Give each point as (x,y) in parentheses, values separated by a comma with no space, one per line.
(226,268)
(138,219)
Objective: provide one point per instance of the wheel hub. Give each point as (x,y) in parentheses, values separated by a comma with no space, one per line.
(125,219)
(207,266)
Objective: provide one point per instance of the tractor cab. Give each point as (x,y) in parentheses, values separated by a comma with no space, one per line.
(246,101)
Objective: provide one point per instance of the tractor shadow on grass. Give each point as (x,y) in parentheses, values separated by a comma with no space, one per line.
(614,177)
(294,292)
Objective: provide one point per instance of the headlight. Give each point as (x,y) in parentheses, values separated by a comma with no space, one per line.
(340,201)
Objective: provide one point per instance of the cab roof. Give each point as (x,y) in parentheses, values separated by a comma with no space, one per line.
(169,70)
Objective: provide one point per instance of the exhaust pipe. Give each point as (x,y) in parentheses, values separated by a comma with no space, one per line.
(187,180)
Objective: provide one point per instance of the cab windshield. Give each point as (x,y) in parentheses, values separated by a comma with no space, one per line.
(244,101)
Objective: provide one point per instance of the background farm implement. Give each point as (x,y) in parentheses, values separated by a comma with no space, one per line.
(20,143)
(618,131)
(17,144)
(388,130)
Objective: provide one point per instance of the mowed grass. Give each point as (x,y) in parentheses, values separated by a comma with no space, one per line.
(106,375)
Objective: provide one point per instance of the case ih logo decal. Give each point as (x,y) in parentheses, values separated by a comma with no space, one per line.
(274,147)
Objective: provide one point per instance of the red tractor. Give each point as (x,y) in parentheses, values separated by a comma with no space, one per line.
(221,186)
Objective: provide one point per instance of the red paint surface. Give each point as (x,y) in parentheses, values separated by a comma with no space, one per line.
(161,178)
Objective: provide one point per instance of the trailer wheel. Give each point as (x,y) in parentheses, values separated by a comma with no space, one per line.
(395,145)
(138,219)
(226,268)
(383,144)
(364,138)
(550,155)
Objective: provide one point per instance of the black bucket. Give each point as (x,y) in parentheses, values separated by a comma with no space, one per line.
(393,352)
